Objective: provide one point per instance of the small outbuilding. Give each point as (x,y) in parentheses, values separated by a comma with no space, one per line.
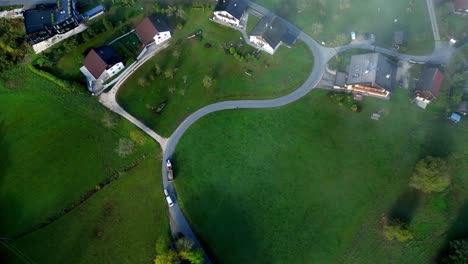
(429,84)
(462,108)
(455,117)
(399,39)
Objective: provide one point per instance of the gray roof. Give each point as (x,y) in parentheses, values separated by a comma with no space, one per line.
(340,79)
(274,30)
(372,69)
(39,18)
(399,38)
(234,7)
(462,107)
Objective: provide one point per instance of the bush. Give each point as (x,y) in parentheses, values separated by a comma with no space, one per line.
(431,175)
(125,147)
(63,84)
(458,252)
(397,230)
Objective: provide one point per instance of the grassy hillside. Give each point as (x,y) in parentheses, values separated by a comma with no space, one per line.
(310,182)
(120,224)
(55,146)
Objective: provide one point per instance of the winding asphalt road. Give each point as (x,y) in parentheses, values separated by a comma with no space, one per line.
(321,55)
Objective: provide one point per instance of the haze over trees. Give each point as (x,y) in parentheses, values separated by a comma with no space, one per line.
(431,175)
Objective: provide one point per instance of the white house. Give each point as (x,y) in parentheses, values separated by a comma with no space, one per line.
(229,12)
(270,32)
(153,29)
(100,65)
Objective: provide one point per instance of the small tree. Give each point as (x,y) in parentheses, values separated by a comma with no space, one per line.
(184,244)
(193,256)
(169,73)
(170,257)
(431,175)
(395,229)
(109,120)
(158,69)
(458,252)
(125,147)
(180,13)
(207,81)
(176,54)
(138,137)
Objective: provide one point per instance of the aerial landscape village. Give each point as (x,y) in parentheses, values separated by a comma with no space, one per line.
(340,133)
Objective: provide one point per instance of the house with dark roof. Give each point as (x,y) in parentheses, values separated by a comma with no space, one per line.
(428,86)
(100,65)
(460,7)
(229,12)
(371,74)
(270,32)
(48,20)
(153,29)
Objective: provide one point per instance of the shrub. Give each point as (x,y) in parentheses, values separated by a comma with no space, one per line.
(138,137)
(125,147)
(458,252)
(431,175)
(397,230)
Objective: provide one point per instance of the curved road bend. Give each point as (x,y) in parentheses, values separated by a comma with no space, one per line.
(109,99)
(181,224)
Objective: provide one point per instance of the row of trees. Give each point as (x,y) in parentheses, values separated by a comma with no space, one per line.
(13,48)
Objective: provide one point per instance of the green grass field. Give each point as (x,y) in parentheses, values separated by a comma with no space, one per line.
(54,148)
(120,224)
(272,76)
(324,20)
(310,182)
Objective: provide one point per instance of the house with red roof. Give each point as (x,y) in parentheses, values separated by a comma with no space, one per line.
(100,65)
(153,29)
(460,7)
(428,86)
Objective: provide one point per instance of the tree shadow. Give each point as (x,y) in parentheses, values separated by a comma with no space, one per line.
(458,230)
(6,200)
(405,206)
(438,142)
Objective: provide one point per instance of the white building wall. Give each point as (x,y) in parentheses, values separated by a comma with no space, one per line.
(261,44)
(115,69)
(162,36)
(226,17)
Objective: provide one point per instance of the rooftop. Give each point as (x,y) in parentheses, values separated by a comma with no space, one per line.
(149,27)
(430,80)
(99,59)
(47,15)
(274,30)
(461,4)
(234,7)
(372,69)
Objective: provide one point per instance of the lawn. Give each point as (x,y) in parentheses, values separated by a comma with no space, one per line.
(272,76)
(451,25)
(55,147)
(324,20)
(310,182)
(120,224)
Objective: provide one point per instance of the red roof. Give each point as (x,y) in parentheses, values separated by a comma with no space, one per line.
(461,4)
(436,82)
(95,64)
(146,31)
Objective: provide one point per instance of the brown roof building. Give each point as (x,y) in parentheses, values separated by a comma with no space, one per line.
(99,65)
(153,29)
(429,84)
(460,7)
